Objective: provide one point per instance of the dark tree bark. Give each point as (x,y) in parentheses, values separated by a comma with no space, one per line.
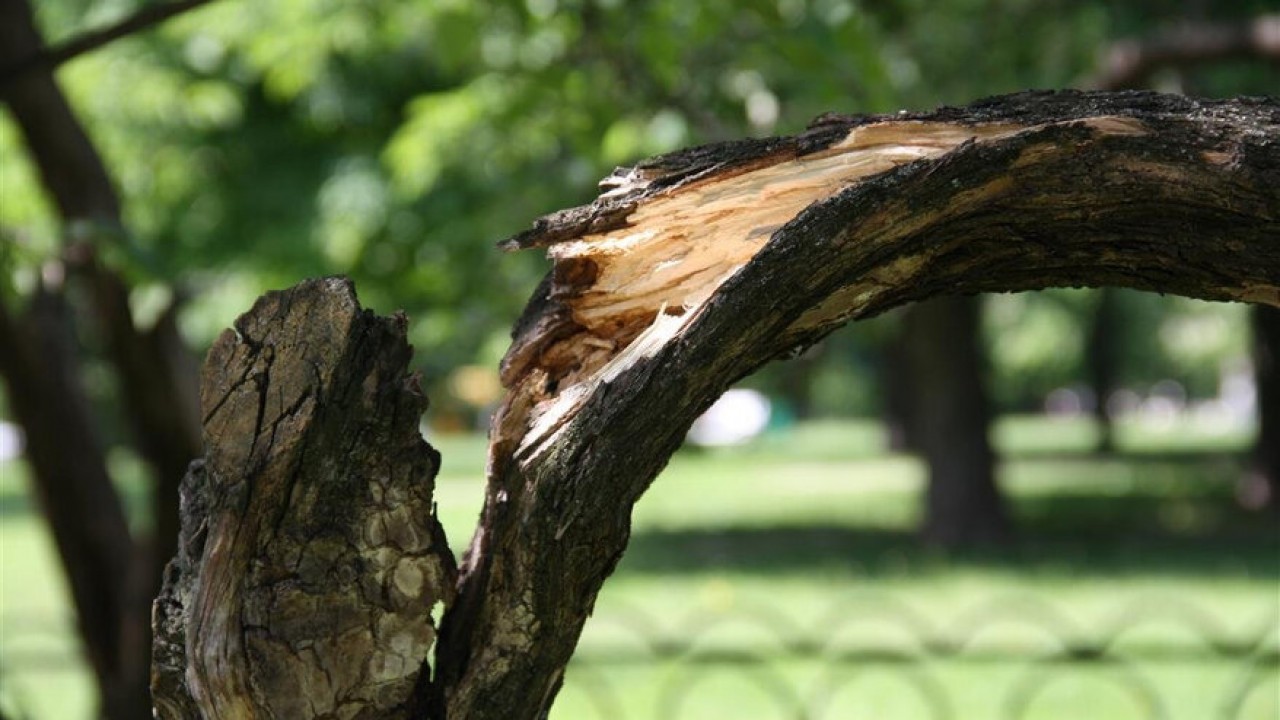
(153,367)
(1266,358)
(39,363)
(310,557)
(689,272)
(894,377)
(46,59)
(951,417)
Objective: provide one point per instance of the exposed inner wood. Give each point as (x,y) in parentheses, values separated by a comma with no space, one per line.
(628,291)
(678,248)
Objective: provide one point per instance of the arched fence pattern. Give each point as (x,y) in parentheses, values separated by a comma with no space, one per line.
(1044,653)
(873,642)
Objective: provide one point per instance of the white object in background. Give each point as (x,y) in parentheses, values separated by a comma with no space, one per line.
(738,416)
(10,441)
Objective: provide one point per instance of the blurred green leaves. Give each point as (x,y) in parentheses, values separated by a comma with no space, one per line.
(256,143)
(438,133)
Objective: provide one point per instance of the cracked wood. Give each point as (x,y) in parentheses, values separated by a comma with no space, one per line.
(311,557)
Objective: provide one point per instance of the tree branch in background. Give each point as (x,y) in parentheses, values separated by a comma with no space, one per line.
(1129,64)
(157,389)
(41,370)
(51,57)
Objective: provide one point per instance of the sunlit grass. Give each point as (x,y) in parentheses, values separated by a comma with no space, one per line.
(806,537)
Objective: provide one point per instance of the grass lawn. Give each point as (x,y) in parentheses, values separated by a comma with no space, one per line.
(781,579)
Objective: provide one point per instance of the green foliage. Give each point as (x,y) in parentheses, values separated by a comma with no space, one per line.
(256,143)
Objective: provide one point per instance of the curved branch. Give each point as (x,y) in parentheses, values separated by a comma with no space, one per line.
(694,269)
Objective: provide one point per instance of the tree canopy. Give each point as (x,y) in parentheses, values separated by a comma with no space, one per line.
(255,143)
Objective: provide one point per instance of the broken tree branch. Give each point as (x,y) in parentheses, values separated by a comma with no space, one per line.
(1129,64)
(694,269)
(310,557)
(308,529)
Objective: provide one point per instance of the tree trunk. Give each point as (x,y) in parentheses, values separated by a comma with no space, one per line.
(310,557)
(689,272)
(951,418)
(39,363)
(156,380)
(109,587)
(1266,358)
(1101,359)
(894,377)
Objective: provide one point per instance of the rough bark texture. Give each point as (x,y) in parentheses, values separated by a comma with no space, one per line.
(950,419)
(694,269)
(310,558)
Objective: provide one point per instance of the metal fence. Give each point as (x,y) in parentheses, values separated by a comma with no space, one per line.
(1018,650)
(1021,648)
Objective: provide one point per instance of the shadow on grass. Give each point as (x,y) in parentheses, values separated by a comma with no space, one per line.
(1193,528)
(791,550)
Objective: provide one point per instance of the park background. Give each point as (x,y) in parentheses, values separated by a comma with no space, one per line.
(1113,552)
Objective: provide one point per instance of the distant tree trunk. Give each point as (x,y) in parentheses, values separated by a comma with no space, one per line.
(688,273)
(112,574)
(1266,358)
(951,417)
(795,383)
(1100,360)
(896,391)
(39,363)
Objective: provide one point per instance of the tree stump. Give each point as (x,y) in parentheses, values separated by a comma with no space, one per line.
(310,557)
